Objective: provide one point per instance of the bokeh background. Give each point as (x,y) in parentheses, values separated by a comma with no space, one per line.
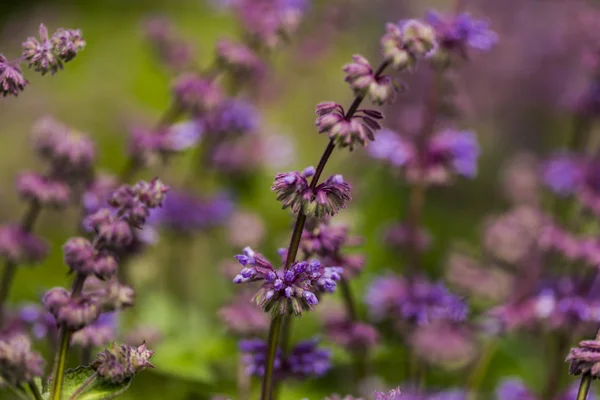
(518,98)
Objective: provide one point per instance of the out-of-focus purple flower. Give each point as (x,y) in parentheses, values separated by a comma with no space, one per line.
(41,323)
(399,236)
(391,147)
(563,174)
(327,198)
(19,246)
(232,117)
(394,394)
(483,282)
(520,179)
(361,77)
(171,49)
(245,228)
(97,193)
(406,42)
(243,318)
(100,333)
(239,59)
(458,150)
(185,213)
(358,130)
(47,192)
(196,94)
(12,81)
(350,334)
(514,389)
(584,249)
(456,32)
(18,362)
(304,360)
(284,291)
(444,344)
(415,301)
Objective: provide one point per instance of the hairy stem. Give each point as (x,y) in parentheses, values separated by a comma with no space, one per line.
(584,387)
(267,386)
(35,391)
(60,359)
(10,267)
(84,386)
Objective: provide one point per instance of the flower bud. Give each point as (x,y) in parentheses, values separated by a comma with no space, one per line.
(79,255)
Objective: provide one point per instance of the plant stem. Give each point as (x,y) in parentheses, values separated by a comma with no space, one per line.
(284,339)
(348,300)
(267,386)
(84,386)
(480,369)
(10,267)
(35,391)
(60,359)
(584,387)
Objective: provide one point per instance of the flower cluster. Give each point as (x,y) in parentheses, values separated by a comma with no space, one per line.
(326,198)
(173,51)
(351,335)
(447,153)
(304,360)
(407,42)
(457,32)
(415,301)
(585,249)
(286,291)
(18,363)
(239,59)
(120,363)
(363,80)
(196,94)
(48,54)
(113,229)
(345,130)
(19,246)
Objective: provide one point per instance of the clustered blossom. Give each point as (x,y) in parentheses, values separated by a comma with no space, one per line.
(407,42)
(120,363)
(349,334)
(49,53)
(363,80)
(239,59)
(233,117)
(457,349)
(457,32)
(446,153)
(585,249)
(12,81)
(285,291)
(345,131)
(18,363)
(514,388)
(100,333)
(401,236)
(196,94)
(415,301)
(304,360)
(113,230)
(585,359)
(20,246)
(176,53)
(327,198)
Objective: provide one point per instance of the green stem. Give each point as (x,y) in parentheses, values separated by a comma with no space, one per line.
(35,391)
(284,339)
(18,391)
(267,385)
(584,387)
(348,300)
(60,359)
(84,386)
(479,371)
(10,267)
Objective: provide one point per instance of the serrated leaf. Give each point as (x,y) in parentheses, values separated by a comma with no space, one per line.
(99,389)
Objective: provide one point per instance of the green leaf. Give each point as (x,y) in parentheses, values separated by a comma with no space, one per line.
(92,389)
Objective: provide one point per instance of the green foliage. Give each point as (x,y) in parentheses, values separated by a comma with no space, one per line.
(81,383)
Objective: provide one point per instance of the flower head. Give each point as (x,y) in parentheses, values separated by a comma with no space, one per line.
(117,364)
(20,246)
(406,42)
(49,54)
(100,333)
(197,94)
(12,81)
(563,173)
(458,150)
(232,117)
(362,79)
(456,32)
(18,363)
(239,59)
(347,132)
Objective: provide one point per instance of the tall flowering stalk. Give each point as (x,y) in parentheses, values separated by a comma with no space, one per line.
(292,289)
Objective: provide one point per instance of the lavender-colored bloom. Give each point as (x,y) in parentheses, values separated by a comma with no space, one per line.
(39,321)
(185,213)
(415,301)
(585,358)
(19,246)
(120,363)
(284,291)
(48,54)
(400,236)
(459,150)
(361,77)
(406,42)
(391,147)
(243,318)
(458,32)
(232,117)
(100,333)
(514,389)
(563,174)
(18,363)
(349,334)
(456,350)
(239,59)
(197,94)
(12,81)
(170,48)
(304,360)
(394,394)
(47,192)
(331,119)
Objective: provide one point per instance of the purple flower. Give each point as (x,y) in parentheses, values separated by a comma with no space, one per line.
(563,174)
(304,360)
(283,291)
(349,334)
(359,129)
(361,77)
(243,318)
(185,213)
(41,323)
(100,333)
(232,117)
(47,192)
(327,198)
(406,42)
(197,94)
(391,147)
(18,363)
(457,149)
(120,363)
(19,246)
(12,81)
(394,394)
(514,389)
(239,59)
(457,349)
(48,54)
(415,301)
(458,32)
